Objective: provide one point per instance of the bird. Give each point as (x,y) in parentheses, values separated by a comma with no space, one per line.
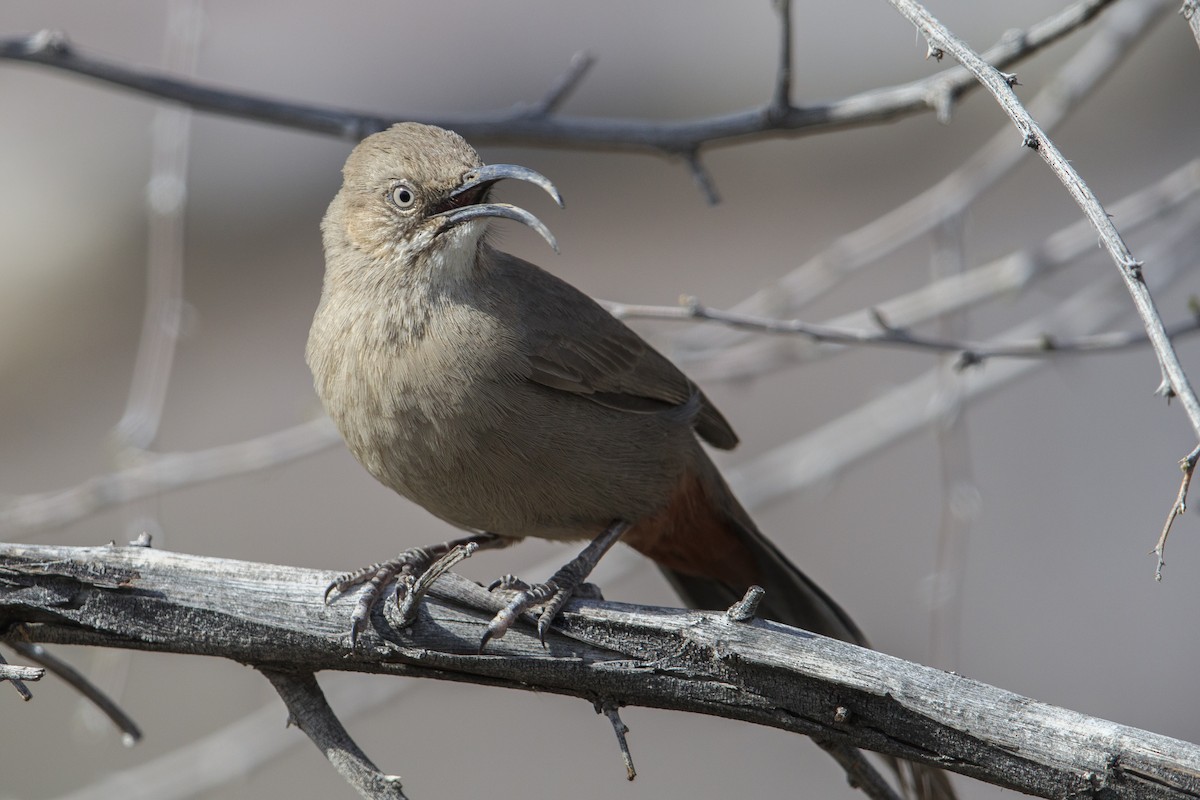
(510,404)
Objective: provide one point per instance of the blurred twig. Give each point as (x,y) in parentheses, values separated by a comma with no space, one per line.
(159,472)
(1001,278)
(78,681)
(816,456)
(776,118)
(1116,34)
(166,201)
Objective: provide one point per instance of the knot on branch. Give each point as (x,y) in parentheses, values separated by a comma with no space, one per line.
(48,42)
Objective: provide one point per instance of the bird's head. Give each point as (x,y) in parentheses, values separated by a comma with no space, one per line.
(415,190)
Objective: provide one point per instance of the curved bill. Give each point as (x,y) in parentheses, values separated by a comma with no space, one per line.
(485,176)
(502,210)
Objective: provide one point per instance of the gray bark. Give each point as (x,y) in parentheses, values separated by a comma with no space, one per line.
(273,617)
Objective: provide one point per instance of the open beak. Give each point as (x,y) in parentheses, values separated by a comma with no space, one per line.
(466,201)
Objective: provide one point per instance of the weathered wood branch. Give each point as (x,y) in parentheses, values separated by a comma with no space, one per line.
(273,617)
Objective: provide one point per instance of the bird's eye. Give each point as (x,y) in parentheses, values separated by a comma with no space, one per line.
(403,196)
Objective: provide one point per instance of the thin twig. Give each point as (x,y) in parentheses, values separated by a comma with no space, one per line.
(130,732)
(972,352)
(566,84)
(516,126)
(702,178)
(309,711)
(813,458)
(166,202)
(958,504)
(17,675)
(860,772)
(781,99)
(160,472)
(610,709)
(1001,278)
(1118,31)
(1188,465)
(1174,380)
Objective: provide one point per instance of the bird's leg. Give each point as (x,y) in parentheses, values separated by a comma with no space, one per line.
(406,569)
(554,593)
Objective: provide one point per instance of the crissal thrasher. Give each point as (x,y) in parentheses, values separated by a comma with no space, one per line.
(508,403)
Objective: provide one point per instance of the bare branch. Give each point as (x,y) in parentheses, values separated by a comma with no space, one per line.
(131,733)
(1174,379)
(160,472)
(518,126)
(166,200)
(274,617)
(972,352)
(204,765)
(826,451)
(1000,278)
(310,712)
(1118,32)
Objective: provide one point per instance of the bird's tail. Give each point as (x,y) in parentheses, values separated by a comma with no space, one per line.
(711,552)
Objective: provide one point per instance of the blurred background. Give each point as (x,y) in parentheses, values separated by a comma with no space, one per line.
(1046,494)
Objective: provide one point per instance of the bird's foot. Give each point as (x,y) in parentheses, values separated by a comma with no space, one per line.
(414,572)
(554,593)
(549,595)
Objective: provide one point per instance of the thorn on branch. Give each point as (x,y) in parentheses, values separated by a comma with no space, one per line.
(968,359)
(745,609)
(942,103)
(692,304)
(702,178)
(878,318)
(934,52)
(48,42)
(1010,78)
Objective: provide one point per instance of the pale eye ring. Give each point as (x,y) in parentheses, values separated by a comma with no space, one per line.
(403,197)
